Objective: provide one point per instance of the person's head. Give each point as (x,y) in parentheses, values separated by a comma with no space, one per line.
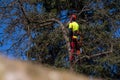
(73,17)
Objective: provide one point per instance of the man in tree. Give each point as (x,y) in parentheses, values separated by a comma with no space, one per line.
(74,37)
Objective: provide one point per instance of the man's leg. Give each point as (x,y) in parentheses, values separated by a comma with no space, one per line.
(71,51)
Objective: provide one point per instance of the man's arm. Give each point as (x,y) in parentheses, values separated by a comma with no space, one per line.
(70,32)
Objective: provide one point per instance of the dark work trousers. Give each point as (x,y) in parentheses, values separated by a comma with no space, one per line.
(74,48)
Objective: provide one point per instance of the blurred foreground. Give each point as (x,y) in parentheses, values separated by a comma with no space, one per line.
(19,70)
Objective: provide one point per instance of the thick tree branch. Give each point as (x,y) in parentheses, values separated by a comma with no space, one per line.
(64,31)
(95,55)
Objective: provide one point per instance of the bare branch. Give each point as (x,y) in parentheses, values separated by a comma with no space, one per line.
(23,11)
(84,8)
